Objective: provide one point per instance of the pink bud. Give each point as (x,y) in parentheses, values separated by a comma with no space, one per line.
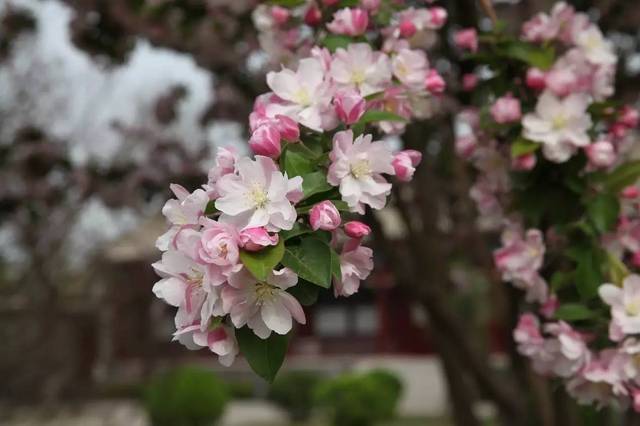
(466,39)
(266,141)
(434,82)
(280,14)
(524,162)
(629,116)
(325,216)
(549,308)
(356,229)
(635,393)
(506,110)
(349,106)
(630,192)
(536,79)
(466,146)
(351,22)
(636,259)
(313,16)
(255,239)
(288,128)
(561,81)
(370,5)
(405,162)
(618,130)
(469,82)
(438,17)
(407,29)
(601,153)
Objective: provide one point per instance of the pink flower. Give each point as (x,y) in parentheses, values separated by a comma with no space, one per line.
(255,239)
(629,116)
(539,28)
(325,216)
(601,153)
(220,339)
(506,110)
(219,243)
(524,162)
(410,67)
(466,39)
(356,263)
(349,105)
(469,82)
(630,192)
(624,303)
(438,17)
(185,211)
(635,394)
(549,308)
(263,306)
(265,140)
(561,81)
(528,336)
(288,128)
(434,83)
(280,14)
(466,146)
(396,100)
(407,29)
(356,229)
(405,162)
(536,78)
(361,68)
(351,22)
(567,353)
(357,167)
(313,16)
(257,196)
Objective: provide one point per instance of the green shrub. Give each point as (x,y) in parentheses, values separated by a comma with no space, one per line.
(294,393)
(359,399)
(186,396)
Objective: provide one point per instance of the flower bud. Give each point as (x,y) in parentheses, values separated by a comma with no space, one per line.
(370,5)
(524,162)
(313,16)
(466,146)
(255,239)
(288,128)
(466,39)
(469,82)
(280,14)
(636,259)
(601,153)
(349,106)
(561,81)
(506,110)
(438,17)
(351,22)
(405,162)
(325,216)
(629,116)
(536,79)
(630,192)
(266,141)
(434,82)
(407,29)
(356,229)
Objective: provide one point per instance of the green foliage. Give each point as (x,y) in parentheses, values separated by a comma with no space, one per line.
(522,146)
(603,211)
(574,312)
(306,292)
(623,176)
(315,183)
(311,260)
(537,56)
(359,399)
(187,396)
(588,273)
(261,263)
(293,392)
(297,160)
(334,41)
(265,356)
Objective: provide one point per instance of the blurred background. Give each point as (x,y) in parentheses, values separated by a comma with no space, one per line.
(103,103)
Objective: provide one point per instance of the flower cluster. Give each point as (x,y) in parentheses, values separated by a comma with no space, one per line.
(264,234)
(553,174)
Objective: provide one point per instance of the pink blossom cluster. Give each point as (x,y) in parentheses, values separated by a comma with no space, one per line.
(314,167)
(320,90)
(546,118)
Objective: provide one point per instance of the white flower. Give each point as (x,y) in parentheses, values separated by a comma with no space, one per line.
(257,195)
(559,124)
(220,339)
(361,68)
(183,211)
(625,305)
(597,49)
(356,167)
(263,306)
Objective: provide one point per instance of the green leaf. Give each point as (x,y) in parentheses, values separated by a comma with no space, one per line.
(617,270)
(588,274)
(288,3)
(265,356)
(523,146)
(261,263)
(297,161)
(574,312)
(211,208)
(378,115)
(340,205)
(336,269)
(334,41)
(623,176)
(603,211)
(297,230)
(538,56)
(314,183)
(305,292)
(562,279)
(311,260)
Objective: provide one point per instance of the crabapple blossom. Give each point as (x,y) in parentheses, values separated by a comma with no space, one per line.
(351,22)
(405,163)
(624,303)
(325,216)
(183,211)
(629,116)
(218,243)
(255,239)
(524,162)
(361,68)
(410,66)
(595,47)
(263,306)
(356,229)
(434,82)
(467,39)
(357,167)
(559,124)
(528,336)
(349,105)
(536,78)
(356,264)
(219,339)
(506,109)
(469,81)
(601,153)
(265,140)
(257,195)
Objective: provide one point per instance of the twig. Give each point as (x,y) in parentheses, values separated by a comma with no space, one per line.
(487,6)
